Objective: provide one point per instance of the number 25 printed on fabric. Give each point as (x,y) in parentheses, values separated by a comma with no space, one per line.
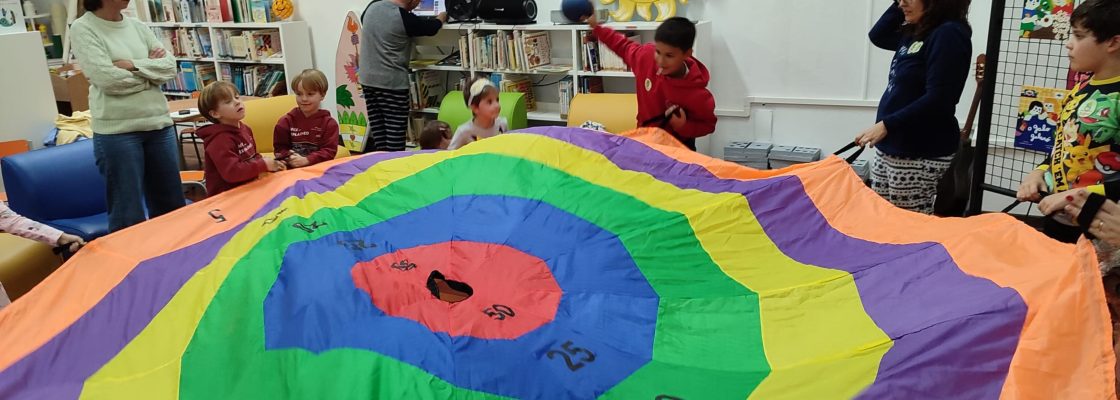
(570,352)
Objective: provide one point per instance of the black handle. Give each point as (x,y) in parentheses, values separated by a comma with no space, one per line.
(855,156)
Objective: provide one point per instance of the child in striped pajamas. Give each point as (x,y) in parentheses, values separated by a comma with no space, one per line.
(386,49)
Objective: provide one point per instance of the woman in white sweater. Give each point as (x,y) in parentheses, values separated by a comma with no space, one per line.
(134,140)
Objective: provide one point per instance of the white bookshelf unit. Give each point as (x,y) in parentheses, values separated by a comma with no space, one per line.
(294,57)
(566,49)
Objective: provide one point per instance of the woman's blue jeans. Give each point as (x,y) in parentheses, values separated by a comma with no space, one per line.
(139,168)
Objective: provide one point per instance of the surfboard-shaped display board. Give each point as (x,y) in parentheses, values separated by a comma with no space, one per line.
(351,105)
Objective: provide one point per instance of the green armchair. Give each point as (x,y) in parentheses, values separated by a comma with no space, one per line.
(454,111)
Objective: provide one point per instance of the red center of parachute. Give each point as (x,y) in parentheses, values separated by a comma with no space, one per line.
(514,292)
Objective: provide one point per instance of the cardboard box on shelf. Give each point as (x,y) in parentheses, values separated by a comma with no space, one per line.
(70,85)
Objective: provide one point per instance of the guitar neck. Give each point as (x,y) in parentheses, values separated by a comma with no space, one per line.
(973,109)
(981,61)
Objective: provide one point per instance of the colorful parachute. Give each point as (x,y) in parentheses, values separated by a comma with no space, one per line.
(600,266)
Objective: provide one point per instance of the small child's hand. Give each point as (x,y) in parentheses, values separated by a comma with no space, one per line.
(1056,202)
(274,165)
(1032,185)
(298,161)
(677,117)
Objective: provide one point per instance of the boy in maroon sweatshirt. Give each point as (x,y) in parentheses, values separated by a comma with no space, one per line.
(672,86)
(307,135)
(231,153)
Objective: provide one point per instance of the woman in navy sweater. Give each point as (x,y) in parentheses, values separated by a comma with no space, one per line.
(917,131)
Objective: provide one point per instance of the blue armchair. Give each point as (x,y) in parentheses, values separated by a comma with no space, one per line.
(59,186)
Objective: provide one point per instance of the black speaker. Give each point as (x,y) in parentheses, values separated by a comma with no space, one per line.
(462,10)
(507,12)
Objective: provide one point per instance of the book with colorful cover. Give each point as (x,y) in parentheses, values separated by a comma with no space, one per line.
(187,68)
(1046,19)
(517,83)
(1039,108)
(214,11)
(538,49)
(259,10)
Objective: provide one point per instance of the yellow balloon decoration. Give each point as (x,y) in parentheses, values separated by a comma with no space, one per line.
(282,9)
(665,9)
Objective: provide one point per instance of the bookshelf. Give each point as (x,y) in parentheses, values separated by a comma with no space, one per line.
(566,49)
(269,54)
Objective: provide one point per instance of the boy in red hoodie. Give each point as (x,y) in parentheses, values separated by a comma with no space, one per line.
(306,135)
(231,153)
(671,85)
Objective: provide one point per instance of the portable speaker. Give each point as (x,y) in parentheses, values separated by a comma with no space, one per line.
(462,10)
(507,12)
(558,17)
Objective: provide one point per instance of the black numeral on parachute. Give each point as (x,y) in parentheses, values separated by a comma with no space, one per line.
(569,351)
(403,265)
(315,225)
(216,214)
(356,245)
(499,312)
(274,218)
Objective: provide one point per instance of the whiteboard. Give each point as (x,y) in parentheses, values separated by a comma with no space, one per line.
(806,49)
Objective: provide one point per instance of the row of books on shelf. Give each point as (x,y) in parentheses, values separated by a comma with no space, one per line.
(426,88)
(510,51)
(249,45)
(231,44)
(192,77)
(183,42)
(256,80)
(596,57)
(568,90)
(199,11)
(518,84)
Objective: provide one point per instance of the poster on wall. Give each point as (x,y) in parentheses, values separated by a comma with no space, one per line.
(11,17)
(1046,19)
(1038,117)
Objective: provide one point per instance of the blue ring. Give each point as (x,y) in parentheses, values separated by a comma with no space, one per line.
(314,304)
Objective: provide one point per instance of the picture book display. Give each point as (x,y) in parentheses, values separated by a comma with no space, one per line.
(1046,19)
(1038,117)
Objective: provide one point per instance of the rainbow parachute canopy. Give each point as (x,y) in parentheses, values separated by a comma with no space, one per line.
(600,266)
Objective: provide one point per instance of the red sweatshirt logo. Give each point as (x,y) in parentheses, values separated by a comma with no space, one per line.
(300,134)
(246,150)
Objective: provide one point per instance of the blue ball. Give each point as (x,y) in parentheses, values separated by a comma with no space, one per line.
(576,10)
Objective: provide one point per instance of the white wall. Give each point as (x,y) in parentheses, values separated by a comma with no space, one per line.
(809,52)
(29,110)
(812,53)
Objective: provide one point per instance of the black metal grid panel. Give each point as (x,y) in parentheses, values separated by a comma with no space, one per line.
(1022,62)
